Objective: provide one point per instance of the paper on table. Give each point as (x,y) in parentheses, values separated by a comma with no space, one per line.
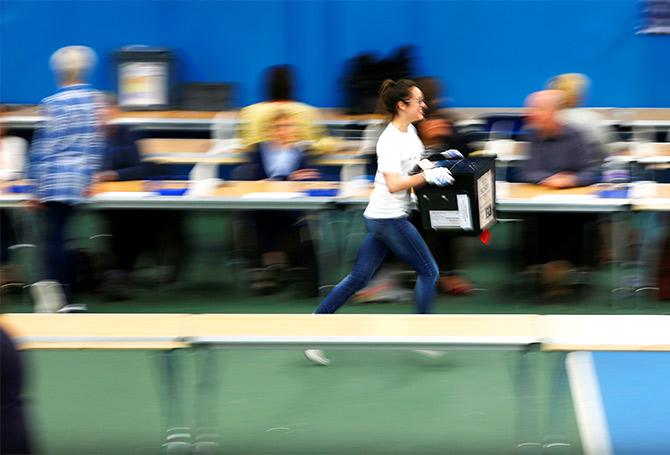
(273,195)
(643,189)
(565,197)
(656,201)
(123,195)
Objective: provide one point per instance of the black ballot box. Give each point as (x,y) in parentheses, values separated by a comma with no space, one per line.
(468,205)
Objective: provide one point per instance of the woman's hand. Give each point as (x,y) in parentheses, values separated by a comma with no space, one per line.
(439,176)
(105,176)
(33,204)
(561,180)
(305,174)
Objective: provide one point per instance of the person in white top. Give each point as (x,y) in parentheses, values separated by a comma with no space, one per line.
(12,165)
(386,216)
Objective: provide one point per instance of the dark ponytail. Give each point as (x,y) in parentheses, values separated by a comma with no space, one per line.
(393,91)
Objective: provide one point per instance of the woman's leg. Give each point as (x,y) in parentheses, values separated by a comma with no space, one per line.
(404,240)
(370,257)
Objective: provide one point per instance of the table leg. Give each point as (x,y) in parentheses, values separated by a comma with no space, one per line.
(527,422)
(206,401)
(648,254)
(178,435)
(620,280)
(555,441)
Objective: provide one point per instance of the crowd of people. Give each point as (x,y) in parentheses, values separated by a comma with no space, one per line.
(76,147)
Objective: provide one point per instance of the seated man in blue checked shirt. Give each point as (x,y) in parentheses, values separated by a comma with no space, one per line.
(65,154)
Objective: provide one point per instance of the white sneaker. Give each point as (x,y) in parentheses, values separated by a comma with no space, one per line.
(431,354)
(317,356)
(48,296)
(74,308)
(178,441)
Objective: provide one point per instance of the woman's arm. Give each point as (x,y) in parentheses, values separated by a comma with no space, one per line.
(397,182)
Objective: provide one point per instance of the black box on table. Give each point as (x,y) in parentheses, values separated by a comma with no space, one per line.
(146,78)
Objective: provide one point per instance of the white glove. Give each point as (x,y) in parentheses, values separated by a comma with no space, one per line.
(439,176)
(452,154)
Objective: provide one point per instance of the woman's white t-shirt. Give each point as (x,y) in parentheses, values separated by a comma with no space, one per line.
(397,153)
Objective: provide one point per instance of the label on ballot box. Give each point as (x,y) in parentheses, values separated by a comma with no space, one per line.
(146,77)
(468,205)
(485,188)
(143,84)
(449,219)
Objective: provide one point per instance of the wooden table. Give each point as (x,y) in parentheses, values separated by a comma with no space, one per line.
(96,331)
(364,331)
(192,151)
(524,197)
(298,331)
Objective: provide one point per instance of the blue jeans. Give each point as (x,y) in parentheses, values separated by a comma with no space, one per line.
(395,235)
(56,267)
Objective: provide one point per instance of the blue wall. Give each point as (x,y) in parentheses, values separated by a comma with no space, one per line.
(488,53)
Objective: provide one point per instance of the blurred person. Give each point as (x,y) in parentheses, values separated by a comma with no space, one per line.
(432,91)
(441,134)
(14,430)
(365,72)
(436,103)
(131,230)
(65,154)
(590,123)
(559,157)
(282,157)
(438,134)
(399,149)
(121,159)
(12,154)
(12,165)
(255,121)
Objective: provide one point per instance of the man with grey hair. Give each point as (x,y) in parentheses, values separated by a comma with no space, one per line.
(559,157)
(64,155)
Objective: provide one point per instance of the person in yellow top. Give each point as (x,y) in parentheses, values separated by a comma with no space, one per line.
(255,121)
(590,123)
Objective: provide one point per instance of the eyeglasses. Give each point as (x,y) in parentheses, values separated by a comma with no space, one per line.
(419,101)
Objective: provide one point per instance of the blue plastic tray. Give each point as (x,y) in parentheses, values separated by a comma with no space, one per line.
(330,192)
(172,191)
(22,189)
(614,194)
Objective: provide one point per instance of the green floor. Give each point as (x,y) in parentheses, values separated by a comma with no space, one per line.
(276,402)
